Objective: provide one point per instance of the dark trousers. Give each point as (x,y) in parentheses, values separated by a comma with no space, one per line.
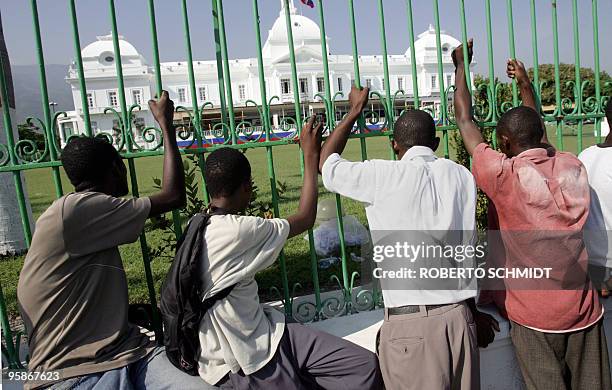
(576,360)
(310,359)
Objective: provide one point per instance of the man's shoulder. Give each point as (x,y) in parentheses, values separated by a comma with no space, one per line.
(595,151)
(454,167)
(568,158)
(241,224)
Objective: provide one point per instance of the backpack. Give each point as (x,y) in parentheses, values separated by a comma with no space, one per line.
(181,302)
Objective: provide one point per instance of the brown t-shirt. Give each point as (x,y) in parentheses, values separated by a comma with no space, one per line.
(73,292)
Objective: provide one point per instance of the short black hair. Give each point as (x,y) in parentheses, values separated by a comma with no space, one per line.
(87,159)
(414,127)
(225,171)
(522,125)
(609,111)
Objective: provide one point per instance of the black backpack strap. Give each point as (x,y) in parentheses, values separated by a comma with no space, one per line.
(210,301)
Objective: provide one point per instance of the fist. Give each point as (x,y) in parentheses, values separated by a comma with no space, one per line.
(310,137)
(358,98)
(457,54)
(515,69)
(162,109)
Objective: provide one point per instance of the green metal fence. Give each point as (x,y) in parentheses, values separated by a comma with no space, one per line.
(17,156)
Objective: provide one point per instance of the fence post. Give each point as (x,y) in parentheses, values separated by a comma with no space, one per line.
(558,110)
(598,103)
(79,64)
(44,95)
(176,216)
(132,169)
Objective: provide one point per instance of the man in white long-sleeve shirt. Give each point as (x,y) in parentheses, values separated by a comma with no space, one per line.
(428,338)
(597,160)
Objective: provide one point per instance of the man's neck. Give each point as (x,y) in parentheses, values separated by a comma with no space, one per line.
(607,142)
(226,204)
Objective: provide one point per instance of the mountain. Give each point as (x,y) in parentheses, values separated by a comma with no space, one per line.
(27,90)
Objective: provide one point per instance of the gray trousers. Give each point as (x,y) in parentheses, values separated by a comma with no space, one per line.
(562,361)
(430,350)
(310,359)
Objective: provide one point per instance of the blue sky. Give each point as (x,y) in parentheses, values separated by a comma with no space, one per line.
(134,25)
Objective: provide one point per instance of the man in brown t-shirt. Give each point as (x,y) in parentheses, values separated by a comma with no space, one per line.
(73,292)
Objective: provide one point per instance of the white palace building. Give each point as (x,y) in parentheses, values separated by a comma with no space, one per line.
(139,77)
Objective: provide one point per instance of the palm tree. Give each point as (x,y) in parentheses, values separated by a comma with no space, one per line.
(11,234)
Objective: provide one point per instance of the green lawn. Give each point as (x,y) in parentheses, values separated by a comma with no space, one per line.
(287,168)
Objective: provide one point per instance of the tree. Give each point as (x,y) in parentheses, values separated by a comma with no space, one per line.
(27,132)
(567,73)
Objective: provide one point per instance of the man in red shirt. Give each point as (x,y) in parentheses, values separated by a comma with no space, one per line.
(541,198)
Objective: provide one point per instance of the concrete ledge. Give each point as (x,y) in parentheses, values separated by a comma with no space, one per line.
(499,368)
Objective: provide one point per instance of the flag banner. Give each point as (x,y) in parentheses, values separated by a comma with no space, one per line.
(309,3)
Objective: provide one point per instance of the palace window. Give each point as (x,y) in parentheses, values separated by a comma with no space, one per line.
(400,83)
(285,86)
(369,83)
(242,92)
(434,82)
(137,96)
(202,94)
(320,84)
(449,79)
(340,89)
(112,99)
(303,85)
(90,100)
(182,95)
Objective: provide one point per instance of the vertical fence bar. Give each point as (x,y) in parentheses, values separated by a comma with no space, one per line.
(219,58)
(11,349)
(12,353)
(361,122)
(599,109)
(328,97)
(515,99)
(176,216)
(389,102)
(534,46)
(493,102)
(226,70)
(442,90)
(79,64)
(132,168)
(270,160)
(298,123)
(415,81)
(578,86)
(464,37)
(383,45)
(44,95)
(10,141)
(197,117)
(558,110)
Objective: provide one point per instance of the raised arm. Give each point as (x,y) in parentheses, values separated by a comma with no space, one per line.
(463,101)
(172,194)
(310,142)
(335,143)
(516,70)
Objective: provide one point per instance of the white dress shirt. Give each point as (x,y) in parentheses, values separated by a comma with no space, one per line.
(597,162)
(420,192)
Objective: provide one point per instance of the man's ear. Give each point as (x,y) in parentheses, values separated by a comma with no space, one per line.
(435,144)
(395,147)
(505,143)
